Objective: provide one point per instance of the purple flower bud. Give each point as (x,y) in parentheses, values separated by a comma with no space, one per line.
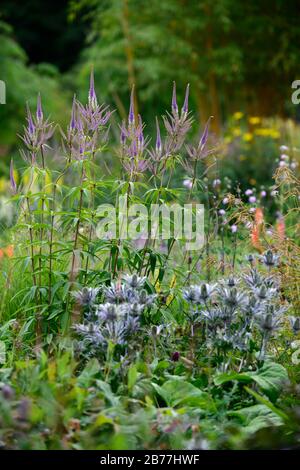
(185,107)
(39,110)
(204,136)
(12,178)
(233,228)
(252,199)
(134,149)
(7,392)
(31,126)
(131,108)
(174,100)
(175,356)
(140,134)
(158,138)
(79,125)
(73,115)
(123,135)
(92,94)
(23,410)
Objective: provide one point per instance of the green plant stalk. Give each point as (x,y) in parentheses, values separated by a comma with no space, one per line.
(51,247)
(90,232)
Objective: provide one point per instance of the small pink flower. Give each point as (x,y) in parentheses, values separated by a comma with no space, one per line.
(252,199)
(216,182)
(187,183)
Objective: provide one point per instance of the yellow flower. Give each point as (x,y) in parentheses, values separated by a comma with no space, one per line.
(263,131)
(236,131)
(247,137)
(274,133)
(242,158)
(252,181)
(254,120)
(238,115)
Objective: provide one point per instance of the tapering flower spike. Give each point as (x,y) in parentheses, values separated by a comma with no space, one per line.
(204,136)
(73,115)
(39,109)
(131,108)
(12,178)
(123,135)
(185,108)
(31,126)
(92,93)
(174,100)
(79,125)
(140,135)
(158,145)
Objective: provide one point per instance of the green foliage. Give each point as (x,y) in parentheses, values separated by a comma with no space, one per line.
(24,82)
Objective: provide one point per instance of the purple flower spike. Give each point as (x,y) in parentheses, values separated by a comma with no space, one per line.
(92,93)
(140,132)
(12,178)
(185,107)
(174,100)
(31,126)
(123,135)
(204,136)
(158,138)
(39,110)
(131,108)
(73,115)
(79,125)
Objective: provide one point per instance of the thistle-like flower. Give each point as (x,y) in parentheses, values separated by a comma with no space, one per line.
(108,312)
(87,296)
(269,323)
(270,259)
(199,294)
(176,125)
(232,297)
(295,324)
(134,281)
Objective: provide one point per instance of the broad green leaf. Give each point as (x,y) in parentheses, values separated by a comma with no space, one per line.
(257,417)
(89,372)
(176,392)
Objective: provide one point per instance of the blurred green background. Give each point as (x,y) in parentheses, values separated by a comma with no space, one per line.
(240,59)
